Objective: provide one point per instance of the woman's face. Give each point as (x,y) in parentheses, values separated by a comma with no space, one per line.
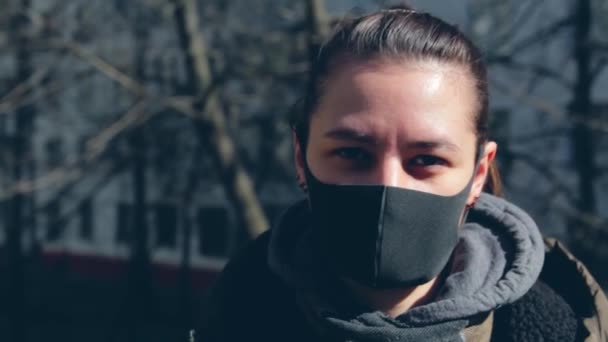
(403,124)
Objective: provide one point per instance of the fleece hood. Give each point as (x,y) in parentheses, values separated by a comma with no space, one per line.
(498,258)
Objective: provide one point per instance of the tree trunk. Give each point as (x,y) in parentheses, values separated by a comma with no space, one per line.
(211,122)
(21,158)
(140,291)
(317,22)
(584,235)
(318,25)
(582,135)
(185,288)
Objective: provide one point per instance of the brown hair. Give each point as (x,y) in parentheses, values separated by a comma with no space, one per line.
(398,32)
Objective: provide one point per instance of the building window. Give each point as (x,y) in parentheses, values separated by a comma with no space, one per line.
(124,223)
(54,225)
(213,231)
(86,219)
(165,221)
(54,152)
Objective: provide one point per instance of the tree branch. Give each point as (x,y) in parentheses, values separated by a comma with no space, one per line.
(15,102)
(27,85)
(95,147)
(525,14)
(537,103)
(528,138)
(106,68)
(108,175)
(543,34)
(540,70)
(212,122)
(544,170)
(543,106)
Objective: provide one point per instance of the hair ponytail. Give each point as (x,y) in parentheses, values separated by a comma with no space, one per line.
(494,183)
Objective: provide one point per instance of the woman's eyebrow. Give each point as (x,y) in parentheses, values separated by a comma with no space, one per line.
(354,135)
(349,134)
(432,145)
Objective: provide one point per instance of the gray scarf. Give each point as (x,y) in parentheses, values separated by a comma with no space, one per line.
(498,258)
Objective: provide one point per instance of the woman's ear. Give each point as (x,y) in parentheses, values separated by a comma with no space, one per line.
(481,173)
(299,162)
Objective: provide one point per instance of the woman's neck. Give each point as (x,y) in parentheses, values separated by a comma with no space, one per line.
(394,302)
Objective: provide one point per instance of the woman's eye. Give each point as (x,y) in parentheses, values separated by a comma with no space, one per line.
(355,154)
(426,160)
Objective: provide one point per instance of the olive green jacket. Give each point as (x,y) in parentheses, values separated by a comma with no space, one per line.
(571,279)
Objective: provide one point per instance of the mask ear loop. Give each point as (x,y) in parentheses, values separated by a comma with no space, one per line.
(468,207)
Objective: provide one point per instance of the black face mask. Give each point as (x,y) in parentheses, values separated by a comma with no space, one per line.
(384,236)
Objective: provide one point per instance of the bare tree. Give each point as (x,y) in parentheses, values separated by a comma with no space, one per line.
(21,164)
(211,120)
(119,150)
(581,109)
(140,298)
(518,48)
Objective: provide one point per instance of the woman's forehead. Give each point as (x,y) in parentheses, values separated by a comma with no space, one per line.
(424,97)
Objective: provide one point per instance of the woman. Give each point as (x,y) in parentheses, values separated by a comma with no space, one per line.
(397,240)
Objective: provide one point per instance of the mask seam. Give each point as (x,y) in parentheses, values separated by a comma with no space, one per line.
(379,237)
